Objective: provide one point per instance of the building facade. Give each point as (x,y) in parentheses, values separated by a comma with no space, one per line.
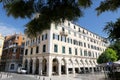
(12,52)
(1,47)
(1,44)
(66,48)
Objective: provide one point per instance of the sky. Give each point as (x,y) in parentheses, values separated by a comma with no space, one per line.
(90,21)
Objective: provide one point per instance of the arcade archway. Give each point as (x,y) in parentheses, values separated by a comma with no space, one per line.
(55,66)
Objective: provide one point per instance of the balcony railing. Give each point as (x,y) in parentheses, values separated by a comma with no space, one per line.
(33,44)
(14,45)
(63,33)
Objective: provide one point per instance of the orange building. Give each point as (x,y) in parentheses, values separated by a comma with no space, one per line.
(13,50)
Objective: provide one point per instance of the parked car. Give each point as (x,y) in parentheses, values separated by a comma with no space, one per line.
(22,70)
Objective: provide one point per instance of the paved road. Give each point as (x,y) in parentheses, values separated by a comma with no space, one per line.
(19,77)
(96,76)
(93,76)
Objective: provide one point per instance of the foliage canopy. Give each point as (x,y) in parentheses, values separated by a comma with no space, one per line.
(109,55)
(116,46)
(111,28)
(50,11)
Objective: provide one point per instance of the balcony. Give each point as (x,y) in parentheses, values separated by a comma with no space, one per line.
(63,33)
(33,44)
(5,48)
(14,45)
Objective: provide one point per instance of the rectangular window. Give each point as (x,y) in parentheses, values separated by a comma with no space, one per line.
(68,24)
(44,48)
(26,43)
(80,44)
(63,38)
(91,46)
(71,41)
(74,42)
(70,50)
(75,51)
(68,40)
(96,54)
(31,50)
(63,29)
(93,54)
(89,53)
(74,33)
(46,36)
(69,31)
(74,27)
(58,37)
(37,49)
(12,66)
(53,36)
(39,39)
(63,49)
(79,35)
(56,26)
(55,48)
(81,52)
(84,44)
(88,45)
(21,51)
(26,51)
(42,37)
(85,53)
(79,30)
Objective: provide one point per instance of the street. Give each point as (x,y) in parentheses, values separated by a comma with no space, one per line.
(15,76)
(94,76)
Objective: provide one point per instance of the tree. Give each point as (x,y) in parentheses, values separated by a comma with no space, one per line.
(49,11)
(116,46)
(109,55)
(111,28)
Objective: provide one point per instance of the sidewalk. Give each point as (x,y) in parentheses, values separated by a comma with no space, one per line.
(4,75)
(95,76)
(62,77)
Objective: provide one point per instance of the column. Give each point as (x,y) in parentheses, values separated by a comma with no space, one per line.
(28,66)
(40,66)
(23,63)
(73,70)
(50,37)
(99,69)
(33,66)
(84,69)
(66,69)
(59,69)
(88,69)
(79,69)
(92,69)
(49,66)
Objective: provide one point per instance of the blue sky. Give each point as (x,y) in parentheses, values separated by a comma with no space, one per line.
(90,21)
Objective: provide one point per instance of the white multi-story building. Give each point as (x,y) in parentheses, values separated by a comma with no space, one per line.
(1,45)
(63,49)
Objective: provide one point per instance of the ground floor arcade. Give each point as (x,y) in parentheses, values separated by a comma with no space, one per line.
(56,65)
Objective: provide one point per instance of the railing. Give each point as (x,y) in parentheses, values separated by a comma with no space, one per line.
(33,44)
(63,33)
(14,45)
(10,46)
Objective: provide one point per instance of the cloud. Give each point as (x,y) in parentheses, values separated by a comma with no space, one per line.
(6,29)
